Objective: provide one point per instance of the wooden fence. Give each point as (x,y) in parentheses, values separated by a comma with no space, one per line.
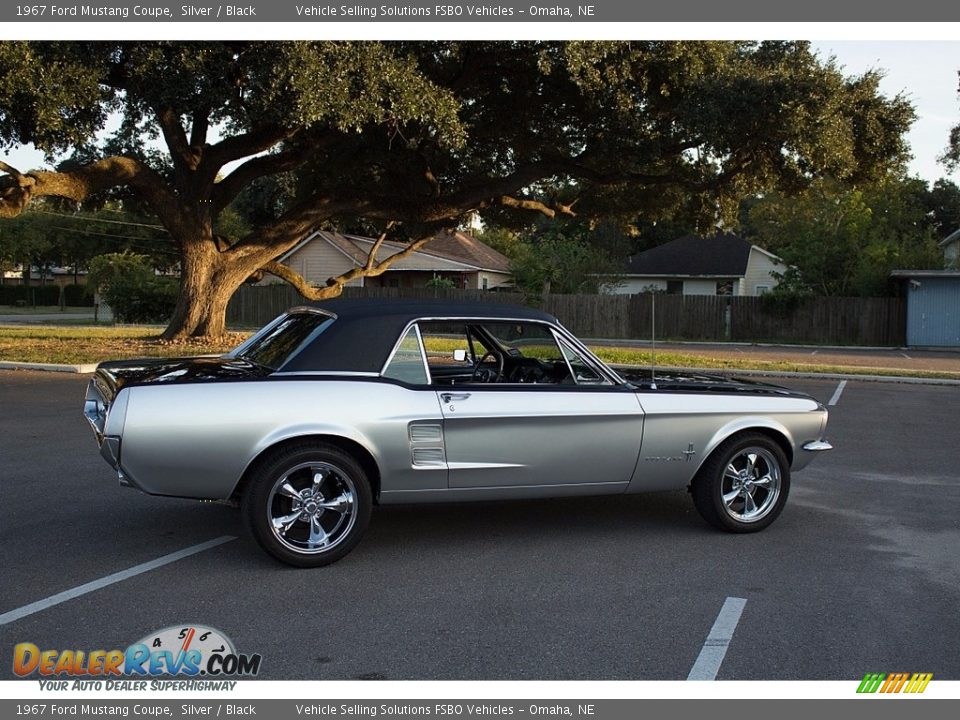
(829,321)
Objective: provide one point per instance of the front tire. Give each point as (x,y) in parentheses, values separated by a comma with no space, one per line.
(307,505)
(743,485)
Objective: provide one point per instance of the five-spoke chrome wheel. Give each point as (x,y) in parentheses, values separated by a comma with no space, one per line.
(311,507)
(308,504)
(743,485)
(751,484)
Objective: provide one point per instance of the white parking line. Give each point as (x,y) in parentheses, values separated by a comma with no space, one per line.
(906,356)
(34,607)
(715,647)
(837,393)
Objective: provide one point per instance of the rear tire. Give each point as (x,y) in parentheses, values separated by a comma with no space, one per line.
(308,504)
(743,486)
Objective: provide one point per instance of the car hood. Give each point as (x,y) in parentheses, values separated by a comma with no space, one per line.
(118,374)
(694,382)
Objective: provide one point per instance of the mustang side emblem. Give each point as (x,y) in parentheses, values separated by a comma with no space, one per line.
(686,456)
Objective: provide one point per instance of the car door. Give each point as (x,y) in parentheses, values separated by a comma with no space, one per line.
(544,434)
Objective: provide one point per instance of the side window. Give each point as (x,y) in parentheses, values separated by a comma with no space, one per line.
(407,362)
(525,340)
(582,372)
(528,352)
(452,351)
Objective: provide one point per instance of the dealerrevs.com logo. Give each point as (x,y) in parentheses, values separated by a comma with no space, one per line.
(910,683)
(190,651)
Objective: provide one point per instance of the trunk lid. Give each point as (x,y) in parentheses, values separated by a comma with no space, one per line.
(113,376)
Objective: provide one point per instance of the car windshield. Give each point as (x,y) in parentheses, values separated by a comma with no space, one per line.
(278,344)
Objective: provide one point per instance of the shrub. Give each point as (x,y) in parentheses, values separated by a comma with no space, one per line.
(24,295)
(78,295)
(132,289)
(149,301)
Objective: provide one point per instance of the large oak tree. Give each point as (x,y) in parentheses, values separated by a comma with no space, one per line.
(411,136)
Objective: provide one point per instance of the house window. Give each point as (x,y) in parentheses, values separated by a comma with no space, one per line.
(674,287)
(725,287)
(763,289)
(484,282)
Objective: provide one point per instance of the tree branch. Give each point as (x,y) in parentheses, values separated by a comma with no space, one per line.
(551,212)
(336,284)
(199,125)
(227,189)
(18,189)
(184,159)
(256,141)
(372,255)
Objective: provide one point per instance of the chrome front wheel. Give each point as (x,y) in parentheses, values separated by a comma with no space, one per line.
(751,484)
(743,485)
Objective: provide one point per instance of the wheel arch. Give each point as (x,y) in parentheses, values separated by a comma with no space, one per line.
(356,449)
(743,426)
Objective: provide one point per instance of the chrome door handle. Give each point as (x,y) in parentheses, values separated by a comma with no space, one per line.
(450,397)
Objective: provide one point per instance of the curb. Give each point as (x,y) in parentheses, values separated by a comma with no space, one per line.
(83,369)
(801,375)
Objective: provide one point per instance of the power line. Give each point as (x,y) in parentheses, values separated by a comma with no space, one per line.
(141,246)
(90,218)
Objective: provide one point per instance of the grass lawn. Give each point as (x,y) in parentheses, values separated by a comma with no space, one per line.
(77,345)
(42,310)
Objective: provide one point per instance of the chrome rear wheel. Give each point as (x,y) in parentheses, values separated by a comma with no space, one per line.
(307,504)
(312,507)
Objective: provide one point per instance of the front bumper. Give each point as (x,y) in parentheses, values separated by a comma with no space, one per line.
(817,446)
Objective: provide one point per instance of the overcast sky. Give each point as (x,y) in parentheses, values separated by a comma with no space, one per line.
(925,71)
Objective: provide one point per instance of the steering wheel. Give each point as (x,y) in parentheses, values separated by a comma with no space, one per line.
(479,369)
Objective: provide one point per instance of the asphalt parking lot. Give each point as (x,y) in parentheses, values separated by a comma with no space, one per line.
(860,574)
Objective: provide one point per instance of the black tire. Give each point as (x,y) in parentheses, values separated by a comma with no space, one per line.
(319,522)
(716,479)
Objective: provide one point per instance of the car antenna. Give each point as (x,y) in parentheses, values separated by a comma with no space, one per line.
(653,340)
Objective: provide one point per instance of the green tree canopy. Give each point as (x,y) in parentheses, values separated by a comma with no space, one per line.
(845,242)
(410,136)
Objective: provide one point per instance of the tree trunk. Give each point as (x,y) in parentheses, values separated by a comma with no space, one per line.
(207,282)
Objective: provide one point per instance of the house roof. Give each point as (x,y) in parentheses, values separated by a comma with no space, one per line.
(904,274)
(447,251)
(466,248)
(952,237)
(723,255)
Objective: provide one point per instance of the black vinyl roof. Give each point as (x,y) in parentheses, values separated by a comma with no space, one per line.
(366,330)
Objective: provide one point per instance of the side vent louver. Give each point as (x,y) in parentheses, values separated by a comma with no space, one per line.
(428,457)
(426,433)
(426,445)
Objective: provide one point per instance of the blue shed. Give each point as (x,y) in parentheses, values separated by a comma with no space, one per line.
(933,306)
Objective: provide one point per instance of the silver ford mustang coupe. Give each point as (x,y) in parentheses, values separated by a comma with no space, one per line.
(330,409)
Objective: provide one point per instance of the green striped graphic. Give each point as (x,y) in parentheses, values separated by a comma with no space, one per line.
(871,682)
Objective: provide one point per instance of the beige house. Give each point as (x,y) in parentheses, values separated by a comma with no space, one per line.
(458,257)
(725,264)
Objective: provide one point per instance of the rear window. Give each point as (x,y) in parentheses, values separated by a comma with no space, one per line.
(276,346)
